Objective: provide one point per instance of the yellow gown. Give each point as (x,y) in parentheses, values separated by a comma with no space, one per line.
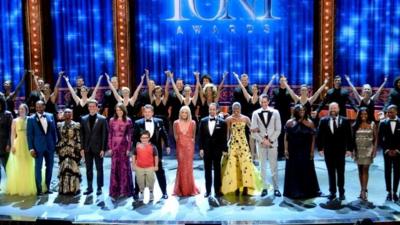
(21,165)
(239,171)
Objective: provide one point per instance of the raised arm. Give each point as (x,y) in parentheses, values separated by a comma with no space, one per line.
(166,91)
(221,86)
(112,88)
(355,92)
(35,80)
(266,89)
(178,94)
(291,92)
(93,96)
(71,89)
(135,95)
(244,90)
(54,95)
(378,92)
(318,92)
(14,94)
(197,88)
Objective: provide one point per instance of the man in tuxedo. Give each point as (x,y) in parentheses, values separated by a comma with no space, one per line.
(213,143)
(109,100)
(334,140)
(389,140)
(339,95)
(265,128)
(94,134)
(238,95)
(394,95)
(158,135)
(42,139)
(5,131)
(282,102)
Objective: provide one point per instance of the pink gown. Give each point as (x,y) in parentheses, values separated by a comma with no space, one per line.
(184,183)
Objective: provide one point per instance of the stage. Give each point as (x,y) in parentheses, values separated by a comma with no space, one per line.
(227,210)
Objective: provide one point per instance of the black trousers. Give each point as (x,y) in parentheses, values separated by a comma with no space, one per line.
(162,181)
(209,163)
(335,163)
(392,164)
(91,157)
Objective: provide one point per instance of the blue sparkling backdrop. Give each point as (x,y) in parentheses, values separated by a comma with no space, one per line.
(11,42)
(368,40)
(83,41)
(258,47)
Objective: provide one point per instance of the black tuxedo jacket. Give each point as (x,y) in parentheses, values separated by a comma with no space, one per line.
(388,140)
(95,139)
(217,142)
(340,140)
(160,134)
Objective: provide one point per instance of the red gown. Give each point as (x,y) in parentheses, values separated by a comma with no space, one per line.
(184,183)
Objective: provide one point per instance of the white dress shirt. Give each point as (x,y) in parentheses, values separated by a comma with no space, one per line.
(149,126)
(211,125)
(393,125)
(43,121)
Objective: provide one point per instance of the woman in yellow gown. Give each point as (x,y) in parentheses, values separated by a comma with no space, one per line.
(20,165)
(239,172)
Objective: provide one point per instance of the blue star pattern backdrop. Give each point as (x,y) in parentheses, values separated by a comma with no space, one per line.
(258,37)
(368,40)
(83,41)
(11,42)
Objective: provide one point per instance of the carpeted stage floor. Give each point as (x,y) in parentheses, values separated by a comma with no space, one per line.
(227,210)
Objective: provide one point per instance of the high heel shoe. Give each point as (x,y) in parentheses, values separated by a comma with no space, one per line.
(364,195)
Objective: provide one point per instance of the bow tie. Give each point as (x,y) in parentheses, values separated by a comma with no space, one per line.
(212,119)
(148,121)
(264,111)
(40,116)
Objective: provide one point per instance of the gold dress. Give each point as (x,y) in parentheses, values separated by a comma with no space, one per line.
(239,171)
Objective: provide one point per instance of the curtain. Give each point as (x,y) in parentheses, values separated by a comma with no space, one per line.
(11,42)
(367,40)
(237,40)
(83,41)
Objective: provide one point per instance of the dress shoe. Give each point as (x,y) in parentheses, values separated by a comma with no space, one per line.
(135,196)
(277,193)
(39,193)
(342,197)
(218,195)
(48,192)
(165,196)
(395,198)
(98,192)
(331,197)
(88,192)
(389,197)
(207,194)
(264,192)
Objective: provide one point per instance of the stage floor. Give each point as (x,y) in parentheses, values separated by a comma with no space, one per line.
(228,210)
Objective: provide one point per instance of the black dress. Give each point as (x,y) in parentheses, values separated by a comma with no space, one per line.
(300,177)
(52,108)
(80,111)
(161,111)
(370,109)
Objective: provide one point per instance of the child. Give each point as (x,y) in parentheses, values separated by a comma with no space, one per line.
(145,163)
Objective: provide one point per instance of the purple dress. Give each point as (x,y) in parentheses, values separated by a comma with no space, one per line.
(120,142)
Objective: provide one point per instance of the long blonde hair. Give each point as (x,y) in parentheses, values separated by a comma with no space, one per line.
(187,109)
